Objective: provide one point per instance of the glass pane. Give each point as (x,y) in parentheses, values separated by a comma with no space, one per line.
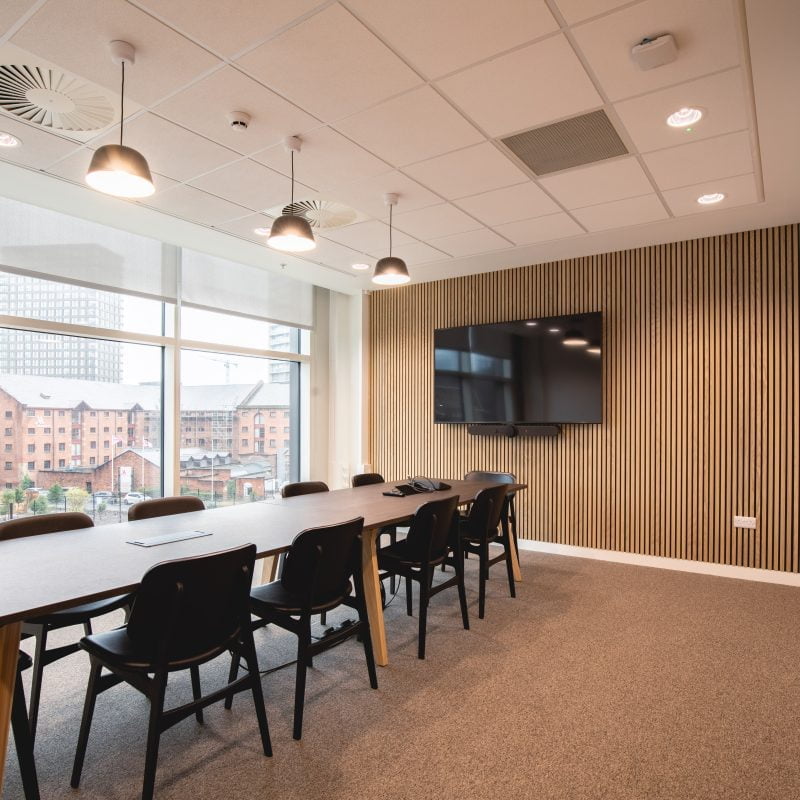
(239,426)
(34,298)
(209,326)
(80,425)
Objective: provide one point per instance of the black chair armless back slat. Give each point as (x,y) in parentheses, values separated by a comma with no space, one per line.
(367,479)
(165,507)
(187,607)
(44,523)
(321,561)
(429,533)
(303,487)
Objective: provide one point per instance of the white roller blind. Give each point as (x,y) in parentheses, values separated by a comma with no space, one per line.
(221,285)
(47,244)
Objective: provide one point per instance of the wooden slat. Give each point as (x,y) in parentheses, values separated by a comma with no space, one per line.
(700,369)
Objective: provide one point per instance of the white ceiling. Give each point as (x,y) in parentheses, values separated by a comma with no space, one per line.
(411,97)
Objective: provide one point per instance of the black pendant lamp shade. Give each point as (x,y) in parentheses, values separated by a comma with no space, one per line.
(290,233)
(390,270)
(116,169)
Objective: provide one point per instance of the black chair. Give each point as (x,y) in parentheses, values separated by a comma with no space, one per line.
(40,627)
(431,537)
(478,529)
(23,739)
(303,487)
(165,507)
(370,479)
(508,519)
(316,577)
(186,612)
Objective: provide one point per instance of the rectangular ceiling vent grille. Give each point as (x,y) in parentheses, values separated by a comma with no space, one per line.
(569,143)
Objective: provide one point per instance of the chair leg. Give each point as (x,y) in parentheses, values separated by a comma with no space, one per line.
(393,578)
(232,675)
(424,599)
(483,569)
(462,591)
(323,617)
(509,567)
(36,679)
(24,742)
(303,643)
(196,693)
(366,641)
(249,652)
(153,734)
(86,723)
(409,609)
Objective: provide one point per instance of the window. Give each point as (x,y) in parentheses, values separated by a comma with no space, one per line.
(9,465)
(62,462)
(92,460)
(9,431)
(48,430)
(92,430)
(31,430)
(47,447)
(47,465)
(31,448)
(9,414)
(62,446)
(93,445)
(8,448)
(244,442)
(62,430)
(31,465)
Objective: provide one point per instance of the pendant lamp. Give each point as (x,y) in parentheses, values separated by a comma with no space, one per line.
(291,233)
(116,169)
(574,338)
(390,271)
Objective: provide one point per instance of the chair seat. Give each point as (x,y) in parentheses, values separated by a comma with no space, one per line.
(24,661)
(116,649)
(463,531)
(79,614)
(398,554)
(274,597)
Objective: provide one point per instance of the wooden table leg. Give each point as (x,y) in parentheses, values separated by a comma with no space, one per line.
(372,594)
(269,569)
(9,651)
(512,546)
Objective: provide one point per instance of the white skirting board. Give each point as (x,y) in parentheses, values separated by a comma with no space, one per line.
(700,567)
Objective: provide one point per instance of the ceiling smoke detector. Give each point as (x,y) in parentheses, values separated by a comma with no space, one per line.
(238,120)
(320,214)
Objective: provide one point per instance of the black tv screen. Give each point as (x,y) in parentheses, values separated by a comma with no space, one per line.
(529,371)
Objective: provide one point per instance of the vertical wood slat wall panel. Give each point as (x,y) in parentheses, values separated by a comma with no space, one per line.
(701,397)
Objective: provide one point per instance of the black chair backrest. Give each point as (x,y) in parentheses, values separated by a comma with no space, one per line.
(165,507)
(322,560)
(191,606)
(367,479)
(429,530)
(303,487)
(44,523)
(497,477)
(485,511)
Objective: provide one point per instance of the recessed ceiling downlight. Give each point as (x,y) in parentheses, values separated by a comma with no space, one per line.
(261,231)
(8,140)
(710,199)
(361,266)
(684,117)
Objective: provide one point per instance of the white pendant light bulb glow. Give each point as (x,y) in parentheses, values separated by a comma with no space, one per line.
(390,270)
(290,233)
(115,169)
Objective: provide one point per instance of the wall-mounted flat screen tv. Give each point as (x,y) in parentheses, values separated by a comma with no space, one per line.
(530,371)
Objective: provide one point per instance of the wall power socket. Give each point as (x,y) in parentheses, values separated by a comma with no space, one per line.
(744,522)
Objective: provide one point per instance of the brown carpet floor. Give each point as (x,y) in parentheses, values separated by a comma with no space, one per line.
(599,681)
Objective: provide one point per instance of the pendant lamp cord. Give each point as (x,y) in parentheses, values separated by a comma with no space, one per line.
(390,231)
(122,104)
(292,201)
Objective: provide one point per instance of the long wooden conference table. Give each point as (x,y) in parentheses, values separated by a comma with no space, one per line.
(41,574)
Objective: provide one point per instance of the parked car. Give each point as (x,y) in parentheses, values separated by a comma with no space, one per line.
(106,496)
(135,497)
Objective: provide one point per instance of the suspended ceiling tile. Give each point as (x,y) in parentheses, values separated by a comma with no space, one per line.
(523,201)
(721,98)
(193,205)
(38,147)
(249,184)
(622,213)
(74,34)
(706,35)
(333,254)
(541,229)
(721,157)
(368,237)
(525,88)
(579,10)
(599,183)
(415,253)
(331,65)
(231,26)
(11,11)
(326,160)
(738,191)
(367,195)
(170,149)
(438,37)
(245,227)
(466,172)
(412,127)
(204,107)
(441,220)
(470,243)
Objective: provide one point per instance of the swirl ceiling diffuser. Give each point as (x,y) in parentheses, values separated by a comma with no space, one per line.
(291,233)
(116,169)
(390,270)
